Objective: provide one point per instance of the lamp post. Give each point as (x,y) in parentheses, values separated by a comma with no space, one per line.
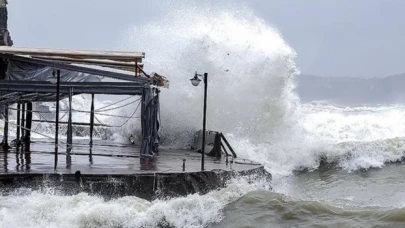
(55,78)
(195,81)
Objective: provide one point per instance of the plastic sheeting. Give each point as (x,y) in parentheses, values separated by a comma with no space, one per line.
(23,71)
(150,121)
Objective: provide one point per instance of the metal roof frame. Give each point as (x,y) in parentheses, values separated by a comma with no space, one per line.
(12,91)
(29,91)
(113,88)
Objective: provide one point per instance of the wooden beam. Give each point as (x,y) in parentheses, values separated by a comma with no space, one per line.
(75,54)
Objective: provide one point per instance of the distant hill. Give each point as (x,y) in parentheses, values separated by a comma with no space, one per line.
(352,91)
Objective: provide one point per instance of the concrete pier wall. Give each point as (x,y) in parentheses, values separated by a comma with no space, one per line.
(146,186)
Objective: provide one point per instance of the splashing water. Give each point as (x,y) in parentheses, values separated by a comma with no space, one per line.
(251,81)
(47,209)
(250,98)
(251,95)
(250,67)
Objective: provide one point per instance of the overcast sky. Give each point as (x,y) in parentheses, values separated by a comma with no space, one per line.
(362,38)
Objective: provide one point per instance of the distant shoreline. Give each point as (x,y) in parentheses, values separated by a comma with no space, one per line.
(352,91)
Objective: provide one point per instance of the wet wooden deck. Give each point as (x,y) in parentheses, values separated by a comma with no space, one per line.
(109,158)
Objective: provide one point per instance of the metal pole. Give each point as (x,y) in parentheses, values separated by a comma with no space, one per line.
(22,122)
(69,131)
(204,120)
(18,124)
(91,128)
(28,124)
(91,120)
(6,119)
(57,119)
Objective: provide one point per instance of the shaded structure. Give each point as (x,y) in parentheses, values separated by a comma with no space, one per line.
(28,79)
(30,75)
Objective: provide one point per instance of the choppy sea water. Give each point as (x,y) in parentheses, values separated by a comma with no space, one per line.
(332,166)
(327,196)
(351,176)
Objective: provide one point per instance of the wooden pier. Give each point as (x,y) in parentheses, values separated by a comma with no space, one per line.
(109,158)
(113,170)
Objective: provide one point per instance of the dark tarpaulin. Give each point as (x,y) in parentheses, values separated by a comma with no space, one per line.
(150,121)
(23,71)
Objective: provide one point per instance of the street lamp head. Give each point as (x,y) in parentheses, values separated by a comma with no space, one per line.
(53,78)
(195,81)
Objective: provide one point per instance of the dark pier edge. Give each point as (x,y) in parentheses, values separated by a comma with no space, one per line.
(147,186)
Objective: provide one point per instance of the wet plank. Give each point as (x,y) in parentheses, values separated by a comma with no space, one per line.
(109,158)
